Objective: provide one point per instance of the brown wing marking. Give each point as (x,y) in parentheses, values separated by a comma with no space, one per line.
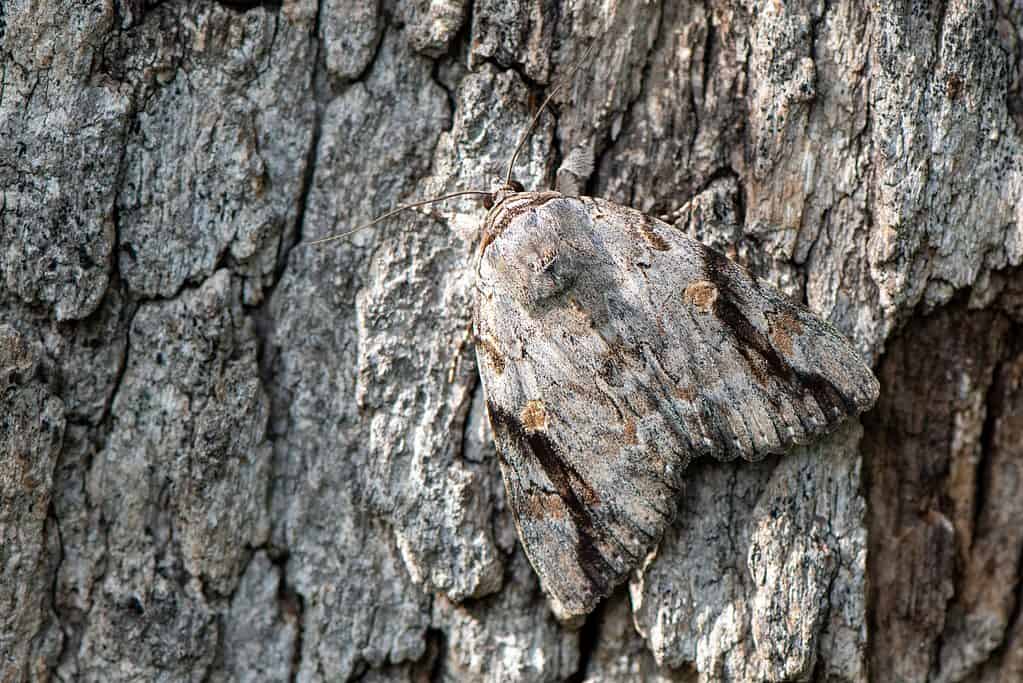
(567,481)
(761,355)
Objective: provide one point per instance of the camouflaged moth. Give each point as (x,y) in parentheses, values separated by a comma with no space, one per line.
(613,350)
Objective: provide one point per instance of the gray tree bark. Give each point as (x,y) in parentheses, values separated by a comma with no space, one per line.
(228,456)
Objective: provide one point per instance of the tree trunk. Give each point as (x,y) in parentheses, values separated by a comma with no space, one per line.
(226,455)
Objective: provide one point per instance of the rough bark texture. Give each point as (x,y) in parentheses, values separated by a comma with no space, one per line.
(227,457)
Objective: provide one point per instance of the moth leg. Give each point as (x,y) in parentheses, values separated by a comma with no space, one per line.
(680,217)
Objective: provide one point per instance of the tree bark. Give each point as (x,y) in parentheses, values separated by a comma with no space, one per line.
(225,455)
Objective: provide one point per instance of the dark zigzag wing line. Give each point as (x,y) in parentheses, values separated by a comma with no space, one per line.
(510,430)
(754,341)
(756,347)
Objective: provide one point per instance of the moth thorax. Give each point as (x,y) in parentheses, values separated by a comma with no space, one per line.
(534,264)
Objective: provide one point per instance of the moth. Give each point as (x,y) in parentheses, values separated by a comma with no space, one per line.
(613,350)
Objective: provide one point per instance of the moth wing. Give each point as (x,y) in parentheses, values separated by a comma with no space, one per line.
(613,349)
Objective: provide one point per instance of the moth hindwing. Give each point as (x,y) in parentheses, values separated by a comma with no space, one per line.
(613,350)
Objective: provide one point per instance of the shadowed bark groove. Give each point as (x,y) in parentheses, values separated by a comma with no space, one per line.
(945,466)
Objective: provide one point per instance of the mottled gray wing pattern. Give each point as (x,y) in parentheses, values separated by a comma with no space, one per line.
(614,349)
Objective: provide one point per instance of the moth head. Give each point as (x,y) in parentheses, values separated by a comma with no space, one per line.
(500,194)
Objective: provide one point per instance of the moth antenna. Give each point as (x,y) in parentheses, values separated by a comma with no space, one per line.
(536,119)
(392,212)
